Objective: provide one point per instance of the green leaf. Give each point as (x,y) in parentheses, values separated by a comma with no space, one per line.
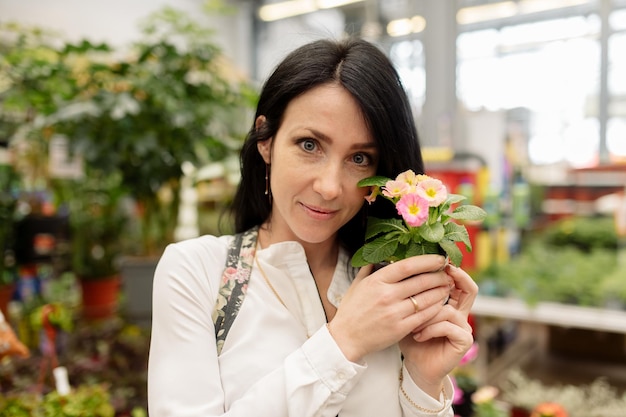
(458,233)
(379,250)
(455,198)
(404,238)
(371,181)
(468,212)
(453,251)
(432,232)
(423,248)
(357,259)
(376,226)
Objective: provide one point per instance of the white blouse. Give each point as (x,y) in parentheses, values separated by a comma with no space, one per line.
(276,361)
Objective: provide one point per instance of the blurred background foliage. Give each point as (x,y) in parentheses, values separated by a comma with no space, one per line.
(574,261)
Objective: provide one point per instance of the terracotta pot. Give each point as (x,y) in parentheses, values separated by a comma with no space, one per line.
(100,297)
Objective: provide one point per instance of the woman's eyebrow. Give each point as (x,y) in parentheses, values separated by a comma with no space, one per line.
(326,138)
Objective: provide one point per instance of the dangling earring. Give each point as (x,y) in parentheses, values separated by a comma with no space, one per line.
(268,192)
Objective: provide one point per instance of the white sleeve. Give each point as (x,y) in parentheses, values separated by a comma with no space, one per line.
(416,402)
(183,369)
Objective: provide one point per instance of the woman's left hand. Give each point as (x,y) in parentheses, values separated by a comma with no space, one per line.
(436,348)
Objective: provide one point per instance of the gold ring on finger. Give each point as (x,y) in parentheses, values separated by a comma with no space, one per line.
(417,308)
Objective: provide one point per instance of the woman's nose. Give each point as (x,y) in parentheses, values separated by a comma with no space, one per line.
(328,181)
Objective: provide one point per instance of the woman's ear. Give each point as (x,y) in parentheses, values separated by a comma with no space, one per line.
(259,122)
(264,147)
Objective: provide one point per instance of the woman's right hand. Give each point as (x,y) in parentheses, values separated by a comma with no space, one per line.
(377,312)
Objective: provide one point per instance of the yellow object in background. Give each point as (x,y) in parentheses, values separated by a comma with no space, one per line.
(484,250)
(502,246)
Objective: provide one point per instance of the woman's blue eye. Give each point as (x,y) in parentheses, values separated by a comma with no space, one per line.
(308,145)
(360,159)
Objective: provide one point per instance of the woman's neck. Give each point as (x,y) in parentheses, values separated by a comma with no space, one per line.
(320,256)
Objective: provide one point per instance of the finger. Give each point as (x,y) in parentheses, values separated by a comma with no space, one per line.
(364,272)
(415,265)
(459,338)
(449,314)
(423,299)
(465,289)
(419,313)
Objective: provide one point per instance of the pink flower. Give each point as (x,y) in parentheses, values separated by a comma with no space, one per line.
(470,355)
(413,209)
(432,190)
(408,177)
(395,189)
(372,196)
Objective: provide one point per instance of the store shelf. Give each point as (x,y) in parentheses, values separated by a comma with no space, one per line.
(593,337)
(555,314)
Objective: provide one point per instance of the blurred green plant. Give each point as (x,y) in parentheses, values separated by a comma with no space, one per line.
(584,233)
(574,261)
(111,353)
(8,218)
(91,400)
(173,101)
(98,220)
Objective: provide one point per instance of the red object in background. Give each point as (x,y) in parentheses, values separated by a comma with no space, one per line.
(100,297)
(472,322)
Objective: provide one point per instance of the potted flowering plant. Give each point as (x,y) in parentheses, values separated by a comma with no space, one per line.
(426,225)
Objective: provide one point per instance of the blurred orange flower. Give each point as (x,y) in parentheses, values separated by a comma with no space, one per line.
(549,410)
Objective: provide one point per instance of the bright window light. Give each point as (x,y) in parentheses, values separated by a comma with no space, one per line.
(546,148)
(582,143)
(290,8)
(403,27)
(616,136)
(485,12)
(617,20)
(553,71)
(329,4)
(285,9)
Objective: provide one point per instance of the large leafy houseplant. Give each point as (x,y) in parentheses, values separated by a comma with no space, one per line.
(169,103)
(172,100)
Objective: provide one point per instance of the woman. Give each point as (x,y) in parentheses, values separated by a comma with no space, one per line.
(312,337)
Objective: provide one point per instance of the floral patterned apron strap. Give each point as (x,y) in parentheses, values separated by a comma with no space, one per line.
(234,283)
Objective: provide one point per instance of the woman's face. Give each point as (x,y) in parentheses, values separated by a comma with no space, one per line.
(322,148)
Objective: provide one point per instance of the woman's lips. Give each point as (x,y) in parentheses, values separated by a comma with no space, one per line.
(318,213)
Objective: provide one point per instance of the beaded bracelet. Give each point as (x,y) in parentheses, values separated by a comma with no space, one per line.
(419,407)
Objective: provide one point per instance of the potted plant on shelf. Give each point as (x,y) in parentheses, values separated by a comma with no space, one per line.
(97,222)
